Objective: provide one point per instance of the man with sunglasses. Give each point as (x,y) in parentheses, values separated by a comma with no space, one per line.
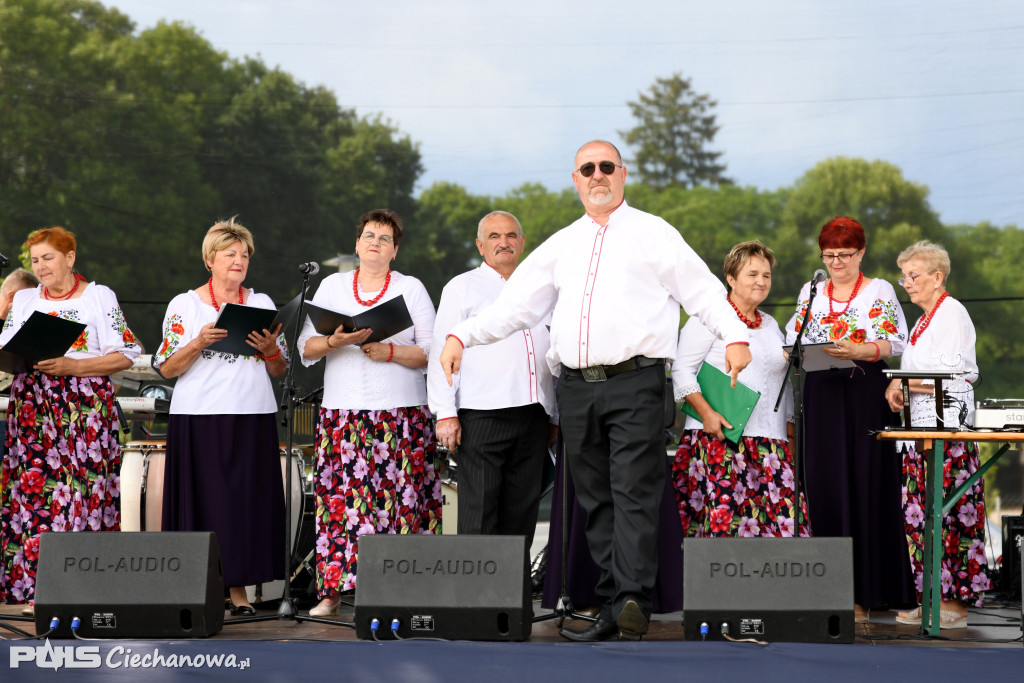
(613,283)
(497,412)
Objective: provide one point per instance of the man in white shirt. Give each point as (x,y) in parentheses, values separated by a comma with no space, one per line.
(497,412)
(613,283)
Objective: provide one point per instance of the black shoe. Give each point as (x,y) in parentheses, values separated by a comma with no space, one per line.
(243,611)
(596,632)
(632,623)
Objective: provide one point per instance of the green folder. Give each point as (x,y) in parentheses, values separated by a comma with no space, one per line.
(735,405)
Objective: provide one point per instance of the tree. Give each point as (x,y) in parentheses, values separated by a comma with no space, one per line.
(674,127)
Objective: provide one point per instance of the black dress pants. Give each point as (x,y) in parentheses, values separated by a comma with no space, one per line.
(501,463)
(614,445)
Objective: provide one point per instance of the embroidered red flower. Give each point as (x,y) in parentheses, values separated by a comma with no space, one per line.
(177,328)
(81,342)
(889,327)
(858,336)
(839,330)
(128,337)
(874,312)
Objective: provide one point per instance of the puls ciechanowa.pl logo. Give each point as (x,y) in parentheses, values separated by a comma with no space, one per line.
(49,656)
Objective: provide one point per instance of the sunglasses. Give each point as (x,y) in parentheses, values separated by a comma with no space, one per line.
(607,168)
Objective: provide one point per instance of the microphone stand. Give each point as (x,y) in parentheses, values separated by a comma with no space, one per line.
(799,376)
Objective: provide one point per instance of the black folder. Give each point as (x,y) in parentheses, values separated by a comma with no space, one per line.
(241,320)
(386,320)
(42,337)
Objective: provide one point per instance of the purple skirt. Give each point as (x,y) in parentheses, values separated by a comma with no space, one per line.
(223,474)
(583,574)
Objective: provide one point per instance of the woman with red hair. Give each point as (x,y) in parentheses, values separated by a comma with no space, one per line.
(62,463)
(853,481)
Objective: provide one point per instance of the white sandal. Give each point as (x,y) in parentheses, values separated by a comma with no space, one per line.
(912,617)
(952,620)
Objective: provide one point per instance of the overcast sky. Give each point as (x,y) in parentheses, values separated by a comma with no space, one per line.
(499,94)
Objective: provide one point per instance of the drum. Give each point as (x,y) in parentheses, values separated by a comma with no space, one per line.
(142,485)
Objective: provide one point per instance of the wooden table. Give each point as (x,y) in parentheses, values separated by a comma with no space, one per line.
(936,507)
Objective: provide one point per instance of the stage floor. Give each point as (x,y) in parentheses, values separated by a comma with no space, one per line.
(289,650)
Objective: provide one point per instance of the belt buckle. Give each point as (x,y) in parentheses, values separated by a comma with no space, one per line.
(594,374)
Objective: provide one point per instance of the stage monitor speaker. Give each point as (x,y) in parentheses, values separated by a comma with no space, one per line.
(769,589)
(130,584)
(452,587)
(1011,572)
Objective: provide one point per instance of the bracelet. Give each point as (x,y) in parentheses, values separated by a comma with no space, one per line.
(392,354)
(328,339)
(275,356)
(878,352)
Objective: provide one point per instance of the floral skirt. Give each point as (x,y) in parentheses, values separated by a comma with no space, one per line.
(61,470)
(725,490)
(376,473)
(964,575)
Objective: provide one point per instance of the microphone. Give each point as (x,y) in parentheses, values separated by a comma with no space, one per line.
(819,277)
(311,268)
(4,261)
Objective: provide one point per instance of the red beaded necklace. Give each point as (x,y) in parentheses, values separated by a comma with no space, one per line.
(355,289)
(753,325)
(63,297)
(213,299)
(926,320)
(832,315)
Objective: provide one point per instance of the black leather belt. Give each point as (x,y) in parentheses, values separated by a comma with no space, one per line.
(600,373)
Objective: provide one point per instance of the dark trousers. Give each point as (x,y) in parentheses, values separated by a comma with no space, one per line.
(615,448)
(501,462)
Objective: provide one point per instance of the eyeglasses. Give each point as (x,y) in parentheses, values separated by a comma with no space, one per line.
(842,258)
(607,168)
(911,279)
(369,237)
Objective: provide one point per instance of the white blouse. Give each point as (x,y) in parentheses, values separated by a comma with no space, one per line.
(216,383)
(351,380)
(874,314)
(766,373)
(947,345)
(105,328)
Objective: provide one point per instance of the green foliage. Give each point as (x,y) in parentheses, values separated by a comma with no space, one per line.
(674,127)
(138,143)
(894,212)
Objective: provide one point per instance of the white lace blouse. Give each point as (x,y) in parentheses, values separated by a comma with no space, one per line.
(947,345)
(766,373)
(351,380)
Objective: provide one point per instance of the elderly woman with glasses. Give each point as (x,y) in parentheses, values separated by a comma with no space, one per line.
(942,340)
(376,468)
(852,479)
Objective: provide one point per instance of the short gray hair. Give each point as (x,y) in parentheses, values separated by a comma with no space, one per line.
(492,214)
(933,255)
(19,279)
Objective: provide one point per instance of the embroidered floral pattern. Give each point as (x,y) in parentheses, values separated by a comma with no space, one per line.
(743,492)
(173,330)
(121,327)
(376,472)
(964,575)
(821,327)
(61,471)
